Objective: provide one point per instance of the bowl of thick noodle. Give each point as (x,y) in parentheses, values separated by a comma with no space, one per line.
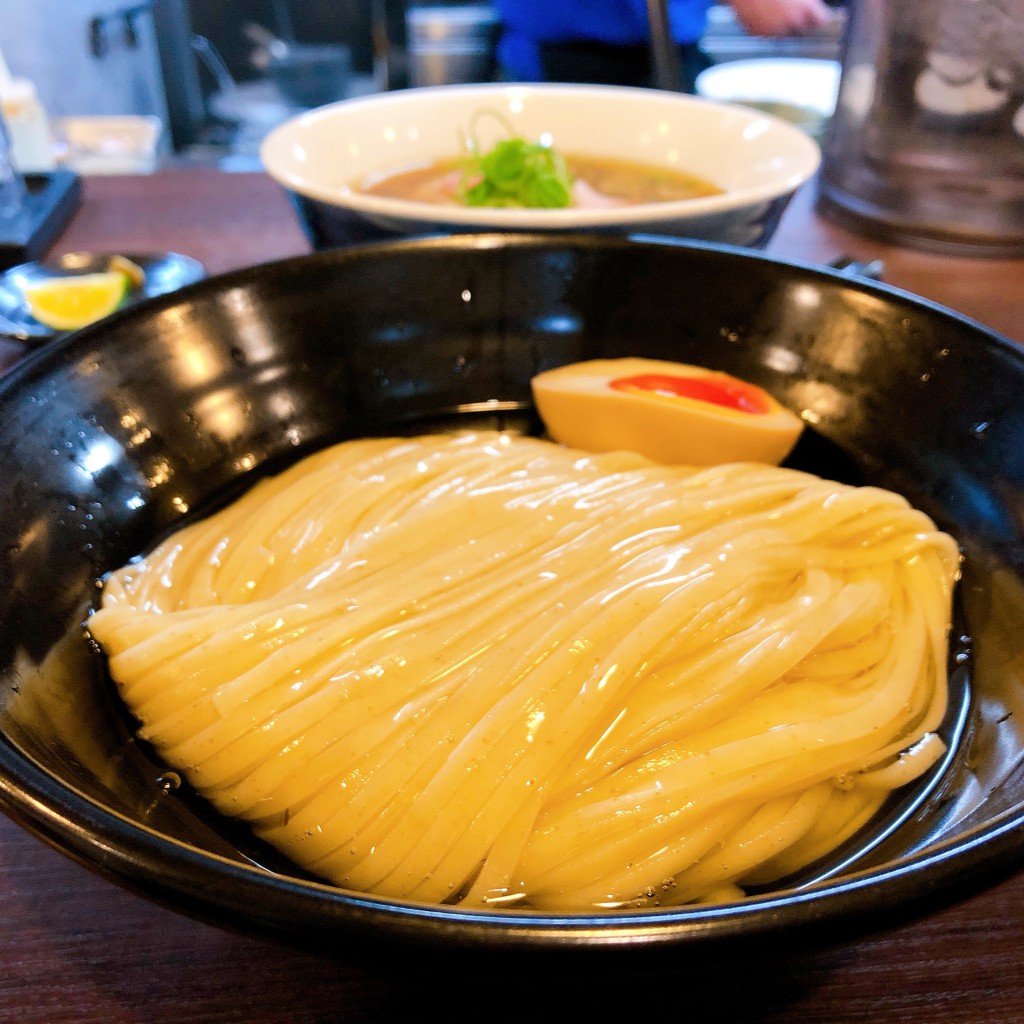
(309,628)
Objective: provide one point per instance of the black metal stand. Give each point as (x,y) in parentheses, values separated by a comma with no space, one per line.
(664,53)
(50,202)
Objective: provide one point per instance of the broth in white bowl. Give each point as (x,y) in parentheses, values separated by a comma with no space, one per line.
(754,162)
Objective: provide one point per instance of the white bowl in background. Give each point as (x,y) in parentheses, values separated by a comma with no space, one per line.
(802,90)
(759,161)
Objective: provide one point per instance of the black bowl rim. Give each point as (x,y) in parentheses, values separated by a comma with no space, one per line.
(233,894)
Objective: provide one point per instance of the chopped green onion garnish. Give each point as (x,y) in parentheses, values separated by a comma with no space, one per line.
(515,173)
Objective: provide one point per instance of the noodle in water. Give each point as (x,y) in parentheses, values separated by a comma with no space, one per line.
(490,670)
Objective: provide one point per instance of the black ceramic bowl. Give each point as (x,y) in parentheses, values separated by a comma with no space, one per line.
(110,437)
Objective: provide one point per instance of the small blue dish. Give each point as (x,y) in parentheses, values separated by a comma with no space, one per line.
(164,272)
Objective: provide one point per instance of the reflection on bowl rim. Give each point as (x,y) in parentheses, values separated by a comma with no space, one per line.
(484,218)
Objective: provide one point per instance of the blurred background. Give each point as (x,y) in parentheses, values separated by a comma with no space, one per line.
(126,87)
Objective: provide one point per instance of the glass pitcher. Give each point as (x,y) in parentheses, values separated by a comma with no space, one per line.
(926,146)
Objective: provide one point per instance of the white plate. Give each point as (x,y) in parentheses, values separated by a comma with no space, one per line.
(802,82)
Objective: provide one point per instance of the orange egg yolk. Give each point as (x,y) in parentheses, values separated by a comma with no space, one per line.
(668,411)
(718,390)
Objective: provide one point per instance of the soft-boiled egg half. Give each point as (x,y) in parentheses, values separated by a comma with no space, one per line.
(670,412)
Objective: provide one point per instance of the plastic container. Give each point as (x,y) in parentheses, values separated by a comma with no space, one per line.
(12,187)
(110,144)
(28,126)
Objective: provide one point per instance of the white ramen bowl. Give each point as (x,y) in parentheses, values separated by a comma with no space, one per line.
(802,90)
(322,156)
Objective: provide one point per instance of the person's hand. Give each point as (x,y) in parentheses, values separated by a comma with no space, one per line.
(780,17)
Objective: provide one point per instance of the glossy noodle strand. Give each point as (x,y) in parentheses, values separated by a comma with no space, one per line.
(479,668)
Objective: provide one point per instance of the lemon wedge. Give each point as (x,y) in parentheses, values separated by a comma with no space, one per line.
(136,275)
(67,303)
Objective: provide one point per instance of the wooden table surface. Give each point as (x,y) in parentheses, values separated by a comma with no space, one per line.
(75,948)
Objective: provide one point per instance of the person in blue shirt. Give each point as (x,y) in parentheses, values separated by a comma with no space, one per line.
(608,41)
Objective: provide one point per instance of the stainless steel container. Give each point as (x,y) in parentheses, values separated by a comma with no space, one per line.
(726,40)
(451,44)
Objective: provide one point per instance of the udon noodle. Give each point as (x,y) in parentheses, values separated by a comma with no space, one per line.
(489,670)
